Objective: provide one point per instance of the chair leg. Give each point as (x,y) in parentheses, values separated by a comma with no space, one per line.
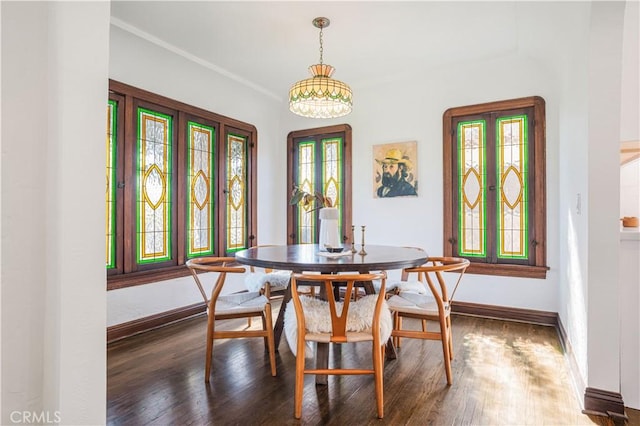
(378,373)
(444,336)
(211,320)
(299,385)
(395,327)
(398,327)
(268,323)
(265,327)
(450,337)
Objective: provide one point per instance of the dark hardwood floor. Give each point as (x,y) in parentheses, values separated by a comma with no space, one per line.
(505,373)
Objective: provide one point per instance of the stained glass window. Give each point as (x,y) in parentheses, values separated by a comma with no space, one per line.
(512,211)
(472,187)
(332,172)
(306,181)
(494,187)
(175,189)
(200,179)
(110,193)
(236,192)
(318,163)
(154,174)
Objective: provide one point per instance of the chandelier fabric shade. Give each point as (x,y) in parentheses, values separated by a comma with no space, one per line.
(320,96)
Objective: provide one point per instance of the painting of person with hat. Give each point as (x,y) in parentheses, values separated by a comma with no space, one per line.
(395,179)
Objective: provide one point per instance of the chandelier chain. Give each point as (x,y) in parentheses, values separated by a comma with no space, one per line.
(320,45)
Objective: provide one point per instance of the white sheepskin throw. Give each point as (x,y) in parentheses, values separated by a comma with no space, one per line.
(318,319)
(411,286)
(254,281)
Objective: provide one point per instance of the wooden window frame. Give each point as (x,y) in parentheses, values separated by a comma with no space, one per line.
(127,272)
(536,265)
(344,131)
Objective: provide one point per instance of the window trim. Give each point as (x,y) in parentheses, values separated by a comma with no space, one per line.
(129,97)
(539,269)
(347,208)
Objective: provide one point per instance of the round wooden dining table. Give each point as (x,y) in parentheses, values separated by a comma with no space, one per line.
(308,257)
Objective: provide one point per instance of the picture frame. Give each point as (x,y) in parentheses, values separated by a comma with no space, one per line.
(395,172)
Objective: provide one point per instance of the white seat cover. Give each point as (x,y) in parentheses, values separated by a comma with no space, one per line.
(415,304)
(241,303)
(412,286)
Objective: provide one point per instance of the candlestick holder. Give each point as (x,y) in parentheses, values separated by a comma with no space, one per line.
(353,239)
(362,250)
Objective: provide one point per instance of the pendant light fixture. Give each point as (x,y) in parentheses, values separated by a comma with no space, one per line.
(320,96)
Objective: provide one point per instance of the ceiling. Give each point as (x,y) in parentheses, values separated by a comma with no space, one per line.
(269,45)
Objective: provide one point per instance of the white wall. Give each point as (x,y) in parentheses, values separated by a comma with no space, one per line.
(605,70)
(630,189)
(573,185)
(590,123)
(630,206)
(630,103)
(630,318)
(54,83)
(630,109)
(140,63)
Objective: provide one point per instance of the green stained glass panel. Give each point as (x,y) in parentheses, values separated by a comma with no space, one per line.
(512,216)
(237,192)
(200,221)
(306,182)
(332,172)
(472,188)
(110,193)
(153,194)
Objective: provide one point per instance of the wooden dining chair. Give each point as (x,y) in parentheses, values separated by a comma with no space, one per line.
(432,304)
(270,282)
(237,305)
(394,286)
(333,321)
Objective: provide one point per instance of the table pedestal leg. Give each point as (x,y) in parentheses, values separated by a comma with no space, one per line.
(278,327)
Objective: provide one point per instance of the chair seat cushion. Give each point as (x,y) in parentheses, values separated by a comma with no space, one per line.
(254,281)
(414,303)
(318,321)
(412,286)
(239,303)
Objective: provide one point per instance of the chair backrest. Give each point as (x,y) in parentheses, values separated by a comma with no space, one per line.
(213,264)
(436,266)
(338,316)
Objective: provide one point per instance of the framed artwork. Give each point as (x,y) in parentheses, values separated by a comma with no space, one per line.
(395,171)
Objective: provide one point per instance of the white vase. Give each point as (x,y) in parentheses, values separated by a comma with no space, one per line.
(329,230)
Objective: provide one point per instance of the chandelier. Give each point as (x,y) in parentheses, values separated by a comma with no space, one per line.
(320,96)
